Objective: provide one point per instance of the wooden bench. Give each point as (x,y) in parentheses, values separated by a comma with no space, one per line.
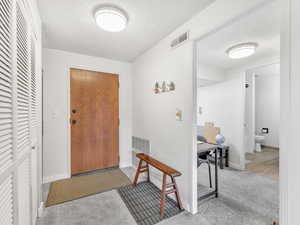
(167,171)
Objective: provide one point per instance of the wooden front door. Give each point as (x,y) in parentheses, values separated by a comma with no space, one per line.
(94,120)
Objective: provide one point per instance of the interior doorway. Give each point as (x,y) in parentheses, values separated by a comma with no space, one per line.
(262,118)
(222,59)
(94,120)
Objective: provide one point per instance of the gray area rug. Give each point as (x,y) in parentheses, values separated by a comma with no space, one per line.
(143,202)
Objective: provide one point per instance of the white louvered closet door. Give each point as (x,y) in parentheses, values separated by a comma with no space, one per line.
(33,97)
(6,114)
(5,88)
(19,114)
(23,84)
(24,196)
(6,207)
(23,99)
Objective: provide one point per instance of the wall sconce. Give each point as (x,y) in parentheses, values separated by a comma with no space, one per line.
(164,87)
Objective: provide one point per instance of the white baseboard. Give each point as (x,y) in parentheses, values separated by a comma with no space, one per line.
(55,178)
(41,209)
(269,146)
(125,165)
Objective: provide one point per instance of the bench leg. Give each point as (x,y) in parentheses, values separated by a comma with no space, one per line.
(137,172)
(163,195)
(179,204)
(148,173)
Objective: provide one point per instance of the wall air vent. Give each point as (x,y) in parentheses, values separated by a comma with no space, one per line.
(180,40)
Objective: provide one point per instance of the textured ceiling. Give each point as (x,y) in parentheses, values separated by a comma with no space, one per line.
(69,25)
(261,26)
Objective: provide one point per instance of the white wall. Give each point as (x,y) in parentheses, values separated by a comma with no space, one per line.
(207,74)
(154,114)
(56,154)
(223,104)
(267,88)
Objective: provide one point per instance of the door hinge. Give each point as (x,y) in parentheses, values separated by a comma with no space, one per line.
(119,121)
(118,159)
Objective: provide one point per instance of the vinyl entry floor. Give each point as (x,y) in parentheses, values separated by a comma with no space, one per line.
(264,163)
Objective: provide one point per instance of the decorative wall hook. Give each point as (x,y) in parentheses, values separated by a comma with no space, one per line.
(164,87)
(156,88)
(171,86)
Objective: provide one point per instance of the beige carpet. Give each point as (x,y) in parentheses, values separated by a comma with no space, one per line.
(82,186)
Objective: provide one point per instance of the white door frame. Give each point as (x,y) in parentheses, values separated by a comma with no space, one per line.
(290,111)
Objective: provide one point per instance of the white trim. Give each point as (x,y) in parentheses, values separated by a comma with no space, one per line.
(41,209)
(285,111)
(55,178)
(69,166)
(124,165)
(194,174)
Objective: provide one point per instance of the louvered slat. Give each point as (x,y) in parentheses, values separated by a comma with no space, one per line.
(23,83)
(6,201)
(6,151)
(24,192)
(6,107)
(33,86)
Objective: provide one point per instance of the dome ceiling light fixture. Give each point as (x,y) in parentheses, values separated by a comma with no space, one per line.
(242,50)
(111,18)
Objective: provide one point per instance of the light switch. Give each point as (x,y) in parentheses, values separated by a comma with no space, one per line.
(178,115)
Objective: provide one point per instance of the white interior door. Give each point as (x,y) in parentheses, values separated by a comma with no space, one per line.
(7,211)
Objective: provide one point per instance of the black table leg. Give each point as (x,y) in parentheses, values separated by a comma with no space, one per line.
(227,157)
(215,192)
(216,172)
(221,158)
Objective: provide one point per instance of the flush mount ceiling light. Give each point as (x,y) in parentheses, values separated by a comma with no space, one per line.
(111,19)
(242,50)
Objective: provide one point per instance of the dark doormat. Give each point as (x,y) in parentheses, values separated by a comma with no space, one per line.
(143,202)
